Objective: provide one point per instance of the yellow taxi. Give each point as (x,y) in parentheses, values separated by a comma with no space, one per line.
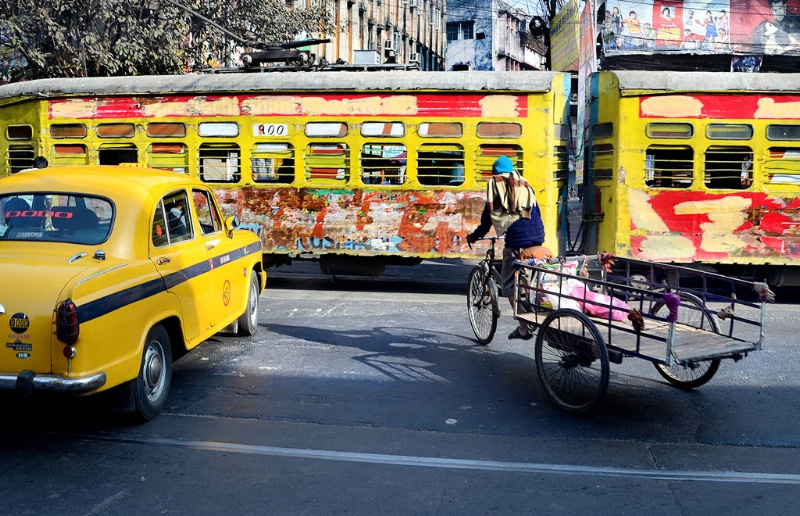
(107,272)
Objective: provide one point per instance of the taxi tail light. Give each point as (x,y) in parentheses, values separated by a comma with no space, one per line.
(67,326)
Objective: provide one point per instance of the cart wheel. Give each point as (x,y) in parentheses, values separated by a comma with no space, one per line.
(572,361)
(689,376)
(698,373)
(482,305)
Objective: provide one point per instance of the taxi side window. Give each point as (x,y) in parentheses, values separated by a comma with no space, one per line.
(207,214)
(172,220)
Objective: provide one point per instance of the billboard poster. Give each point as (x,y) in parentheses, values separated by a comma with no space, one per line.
(701,26)
(564,38)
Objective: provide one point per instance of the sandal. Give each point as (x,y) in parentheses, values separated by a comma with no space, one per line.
(516,334)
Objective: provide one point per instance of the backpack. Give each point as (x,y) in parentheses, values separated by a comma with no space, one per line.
(510,198)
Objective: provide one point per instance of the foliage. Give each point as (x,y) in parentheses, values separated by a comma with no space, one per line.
(74,38)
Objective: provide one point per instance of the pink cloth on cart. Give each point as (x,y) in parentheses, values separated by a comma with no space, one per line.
(606,304)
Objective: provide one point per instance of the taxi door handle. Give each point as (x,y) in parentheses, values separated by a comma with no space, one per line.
(210,246)
(163,260)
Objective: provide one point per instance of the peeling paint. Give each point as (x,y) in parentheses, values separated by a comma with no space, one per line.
(768,108)
(695,225)
(430,224)
(682,106)
(419,105)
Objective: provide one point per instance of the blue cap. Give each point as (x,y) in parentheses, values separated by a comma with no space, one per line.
(502,165)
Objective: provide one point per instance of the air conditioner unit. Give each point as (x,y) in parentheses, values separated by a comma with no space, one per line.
(413,58)
(413,4)
(388,45)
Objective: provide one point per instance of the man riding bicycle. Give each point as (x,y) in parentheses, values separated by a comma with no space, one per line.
(512,210)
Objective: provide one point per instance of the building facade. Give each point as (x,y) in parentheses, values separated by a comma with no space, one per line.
(489,35)
(386,32)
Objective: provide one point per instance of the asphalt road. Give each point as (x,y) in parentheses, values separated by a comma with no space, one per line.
(361,396)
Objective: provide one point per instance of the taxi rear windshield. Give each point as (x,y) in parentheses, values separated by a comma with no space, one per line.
(55,217)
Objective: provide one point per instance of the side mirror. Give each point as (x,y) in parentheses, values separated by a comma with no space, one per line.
(231,223)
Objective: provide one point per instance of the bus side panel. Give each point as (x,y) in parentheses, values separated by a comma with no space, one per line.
(604,176)
(428,224)
(687,226)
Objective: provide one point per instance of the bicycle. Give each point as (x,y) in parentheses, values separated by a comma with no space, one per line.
(482,296)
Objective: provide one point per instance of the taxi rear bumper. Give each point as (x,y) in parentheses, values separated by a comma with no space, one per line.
(28,382)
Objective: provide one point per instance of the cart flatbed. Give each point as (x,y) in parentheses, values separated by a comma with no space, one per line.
(682,320)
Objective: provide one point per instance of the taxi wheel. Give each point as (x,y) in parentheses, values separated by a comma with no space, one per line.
(248,321)
(151,387)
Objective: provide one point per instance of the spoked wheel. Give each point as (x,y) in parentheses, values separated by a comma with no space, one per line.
(695,374)
(572,361)
(482,305)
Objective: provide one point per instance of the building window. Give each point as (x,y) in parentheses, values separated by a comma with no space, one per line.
(460,30)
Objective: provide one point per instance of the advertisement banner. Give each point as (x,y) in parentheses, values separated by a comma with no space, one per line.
(699,26)
(564,36)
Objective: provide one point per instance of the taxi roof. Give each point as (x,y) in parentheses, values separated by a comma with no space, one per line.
(106,180)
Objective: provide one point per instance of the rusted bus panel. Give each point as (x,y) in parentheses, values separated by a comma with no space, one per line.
(688,226)
(431,224)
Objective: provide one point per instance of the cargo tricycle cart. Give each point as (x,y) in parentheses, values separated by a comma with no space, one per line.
(683,320)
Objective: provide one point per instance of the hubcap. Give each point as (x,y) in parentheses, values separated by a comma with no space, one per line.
(153,372)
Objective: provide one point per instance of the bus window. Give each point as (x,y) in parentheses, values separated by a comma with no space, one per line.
(668,167)
(327,163)
(20,157)
(68,131)
(602,162)
(70,154)
(116,130)
(782,166)
(218,129)
(669,130)
(499,130)
(272,163)
(383,164)
(388,129)
(605,130)
(219,162)
(783,132)
(561,171)
(114,154)
(166,130)
(440,165)
(332,129)
(729,167)
(729,131)
(486,156)
(440,129)
(19,132)
(168,156)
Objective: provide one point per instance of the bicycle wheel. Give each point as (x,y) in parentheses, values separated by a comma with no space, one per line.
(482,305)
(697,373)
(572,361)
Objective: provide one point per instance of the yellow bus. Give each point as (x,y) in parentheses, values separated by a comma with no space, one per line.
(694,167)
(356,169)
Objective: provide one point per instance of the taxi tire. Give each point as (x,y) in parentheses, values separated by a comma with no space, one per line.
(151,385)
(247,324)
